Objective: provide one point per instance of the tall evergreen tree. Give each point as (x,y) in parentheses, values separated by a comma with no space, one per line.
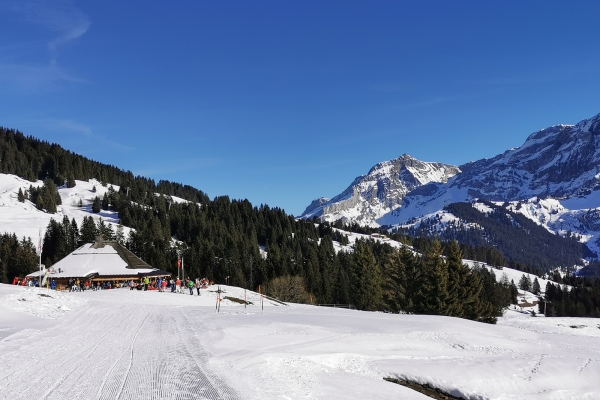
(535,287)
(394,283)
(96,205)
(366,278)
(435,286)
(456,273)
(88,230)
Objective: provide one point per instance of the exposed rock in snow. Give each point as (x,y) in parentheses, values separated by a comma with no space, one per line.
(380,191)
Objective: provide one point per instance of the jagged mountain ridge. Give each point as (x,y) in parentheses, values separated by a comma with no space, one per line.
(561,163)
(380,191)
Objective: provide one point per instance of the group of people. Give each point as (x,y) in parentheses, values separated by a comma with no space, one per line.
(77,285)
(190,285)
(175,285)
(145,283)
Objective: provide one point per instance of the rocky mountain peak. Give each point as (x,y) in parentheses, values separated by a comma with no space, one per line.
(591,125)
(561,161)
(380,190)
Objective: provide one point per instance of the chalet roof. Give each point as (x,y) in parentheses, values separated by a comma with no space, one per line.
(101,259)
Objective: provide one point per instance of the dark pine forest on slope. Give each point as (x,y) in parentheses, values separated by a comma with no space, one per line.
(221,237)
(522,243)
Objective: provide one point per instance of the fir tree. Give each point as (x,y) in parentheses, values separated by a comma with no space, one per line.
(456,275)
(88,230)
(394,283)
(435,288)
(105,202)
(96,205)
(535,288)
(366,278)
(119,236)
(525,283)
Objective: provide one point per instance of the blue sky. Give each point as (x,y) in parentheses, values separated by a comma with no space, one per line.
(281,102)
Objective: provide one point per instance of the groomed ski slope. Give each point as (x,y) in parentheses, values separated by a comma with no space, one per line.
(121,344)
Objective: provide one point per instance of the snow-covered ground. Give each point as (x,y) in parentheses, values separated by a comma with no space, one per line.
(149,345)
(25,220)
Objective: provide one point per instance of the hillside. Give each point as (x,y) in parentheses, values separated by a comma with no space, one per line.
(519,239)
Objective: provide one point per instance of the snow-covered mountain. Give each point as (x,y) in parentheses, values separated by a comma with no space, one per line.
(380,191)
(559,162)
(553,179)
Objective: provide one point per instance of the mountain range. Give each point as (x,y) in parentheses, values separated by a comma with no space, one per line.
(553,179)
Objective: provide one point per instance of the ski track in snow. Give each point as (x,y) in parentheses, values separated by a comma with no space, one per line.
(113,352)
(122,344)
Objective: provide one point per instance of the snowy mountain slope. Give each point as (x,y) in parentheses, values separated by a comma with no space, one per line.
(111,343)
(560,162)
(25,220)
(564,217)
(535,233)
(380,191)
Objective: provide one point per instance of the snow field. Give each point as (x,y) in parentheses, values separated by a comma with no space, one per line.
(149,345)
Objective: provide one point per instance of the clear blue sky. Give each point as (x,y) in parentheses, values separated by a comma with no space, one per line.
(281,102)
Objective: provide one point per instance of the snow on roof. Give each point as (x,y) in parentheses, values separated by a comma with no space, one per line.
(109,259)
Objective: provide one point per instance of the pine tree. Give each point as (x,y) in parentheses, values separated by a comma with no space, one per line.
(394,282)
(74,233)
(40,203)
(525,283)
(96,205)
(366,278)
(435,289)
(476,305)
(88,230)
(456,272)
(104,230)
(514,292)
(119,236)
(535,288)
(21,196)
(104,204)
